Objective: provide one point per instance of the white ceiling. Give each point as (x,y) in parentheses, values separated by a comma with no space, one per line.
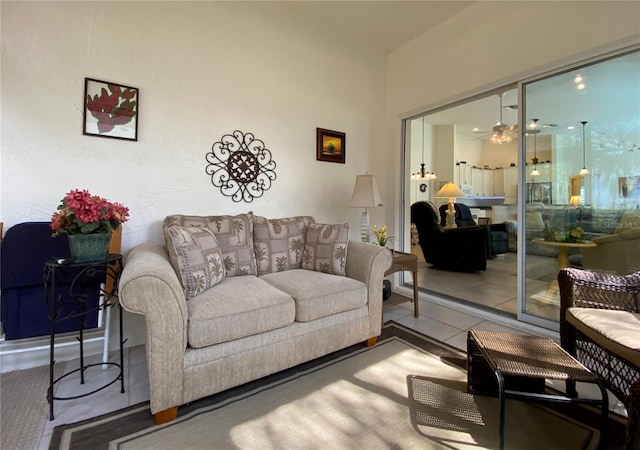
(383,26)
(386,25)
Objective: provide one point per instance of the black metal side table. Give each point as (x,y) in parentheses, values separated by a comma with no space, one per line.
(84,280)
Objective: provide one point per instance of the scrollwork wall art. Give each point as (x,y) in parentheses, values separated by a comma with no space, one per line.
(241,166)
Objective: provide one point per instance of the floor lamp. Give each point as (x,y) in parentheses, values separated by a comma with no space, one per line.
(365,195)
(450,191)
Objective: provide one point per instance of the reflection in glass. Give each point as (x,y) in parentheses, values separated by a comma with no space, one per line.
(587,163)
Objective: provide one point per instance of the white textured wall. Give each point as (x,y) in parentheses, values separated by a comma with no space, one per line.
(491,44)
(204,69)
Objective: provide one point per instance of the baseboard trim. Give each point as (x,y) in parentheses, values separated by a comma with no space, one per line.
(33,352)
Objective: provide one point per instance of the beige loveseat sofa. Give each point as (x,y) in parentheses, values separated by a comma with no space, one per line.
(231,299)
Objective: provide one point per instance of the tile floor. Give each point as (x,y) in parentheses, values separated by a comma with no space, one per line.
(495,288)
(136,386)
(446,324)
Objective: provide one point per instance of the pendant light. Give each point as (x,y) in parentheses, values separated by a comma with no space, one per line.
(535,172)
(422,174)
(584,170)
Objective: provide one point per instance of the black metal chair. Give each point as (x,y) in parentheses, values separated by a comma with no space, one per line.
(457,249)
(497,235)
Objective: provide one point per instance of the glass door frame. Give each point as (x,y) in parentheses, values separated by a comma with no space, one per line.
(405,193)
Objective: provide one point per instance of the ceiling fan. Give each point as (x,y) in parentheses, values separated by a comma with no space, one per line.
(500,131)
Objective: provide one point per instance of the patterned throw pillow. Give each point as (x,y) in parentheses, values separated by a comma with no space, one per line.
(279,243)
(198,258)
(534,220)
(325,248)
(234,235)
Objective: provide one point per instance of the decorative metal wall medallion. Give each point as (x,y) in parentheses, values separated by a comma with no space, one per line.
(241,166)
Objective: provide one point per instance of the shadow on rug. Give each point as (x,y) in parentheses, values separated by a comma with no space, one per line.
(406,392)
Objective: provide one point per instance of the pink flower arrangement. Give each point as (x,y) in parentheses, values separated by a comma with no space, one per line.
(82,213)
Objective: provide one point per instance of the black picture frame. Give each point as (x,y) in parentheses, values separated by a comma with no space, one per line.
(629,187)
(110,110)
(540,193)
(330,146)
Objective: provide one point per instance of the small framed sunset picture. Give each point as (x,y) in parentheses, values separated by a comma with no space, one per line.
(330,146)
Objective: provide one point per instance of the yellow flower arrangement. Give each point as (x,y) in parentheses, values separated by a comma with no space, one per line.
(381,235)
(575,234)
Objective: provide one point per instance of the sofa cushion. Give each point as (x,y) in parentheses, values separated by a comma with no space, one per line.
(198,258)
(279,243)
(606,239)
(533,219)
(318,294)
(235,238)
(325,248)
(628,220)
(617,331)
(630,234)
(238,307)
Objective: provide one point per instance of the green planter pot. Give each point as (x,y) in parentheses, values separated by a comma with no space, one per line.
(89,247)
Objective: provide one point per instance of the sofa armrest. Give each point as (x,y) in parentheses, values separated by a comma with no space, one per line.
(498,227)
(150,286)
(368,263)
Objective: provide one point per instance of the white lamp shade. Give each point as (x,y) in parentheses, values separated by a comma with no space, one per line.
(449,190)
(365,193)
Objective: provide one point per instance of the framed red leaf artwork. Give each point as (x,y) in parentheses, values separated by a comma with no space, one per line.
(110,110)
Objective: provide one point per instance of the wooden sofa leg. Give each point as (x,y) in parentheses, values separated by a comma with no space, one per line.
(371,341)
(166,415)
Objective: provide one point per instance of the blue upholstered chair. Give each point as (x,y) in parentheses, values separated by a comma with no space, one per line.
(26,248)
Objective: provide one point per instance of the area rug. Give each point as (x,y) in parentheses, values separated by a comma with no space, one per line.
(405,392)
(23,406)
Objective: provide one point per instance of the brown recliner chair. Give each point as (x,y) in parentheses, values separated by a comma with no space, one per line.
(457,249)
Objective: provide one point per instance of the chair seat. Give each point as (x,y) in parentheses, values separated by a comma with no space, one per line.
(617,331)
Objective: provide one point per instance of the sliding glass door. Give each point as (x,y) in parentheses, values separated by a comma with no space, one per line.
(581,181)
(556,159)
